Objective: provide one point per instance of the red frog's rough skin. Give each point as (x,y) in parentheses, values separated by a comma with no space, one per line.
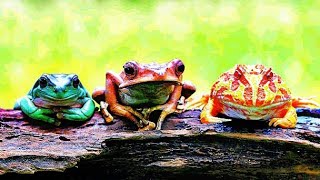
(148,87)
(251,92)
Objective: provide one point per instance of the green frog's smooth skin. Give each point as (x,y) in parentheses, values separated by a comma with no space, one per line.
(55,97)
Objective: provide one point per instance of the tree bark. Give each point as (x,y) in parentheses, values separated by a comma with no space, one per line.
(184,148)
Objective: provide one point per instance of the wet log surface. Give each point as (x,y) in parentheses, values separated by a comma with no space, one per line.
(184,148)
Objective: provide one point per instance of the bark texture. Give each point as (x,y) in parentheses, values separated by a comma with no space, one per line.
(184,148)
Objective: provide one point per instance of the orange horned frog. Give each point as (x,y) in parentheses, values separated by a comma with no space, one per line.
(251,92)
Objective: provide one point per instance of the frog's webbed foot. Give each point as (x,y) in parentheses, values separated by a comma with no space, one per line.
(288,121)
(166,109)
(109,118)
(149,126)
(131,114)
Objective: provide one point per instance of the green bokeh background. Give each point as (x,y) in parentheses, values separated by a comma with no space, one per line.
(92,37)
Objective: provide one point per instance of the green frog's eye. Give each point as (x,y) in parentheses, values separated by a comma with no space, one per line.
(75,82)
(179,68)
(130,69)
(43,82)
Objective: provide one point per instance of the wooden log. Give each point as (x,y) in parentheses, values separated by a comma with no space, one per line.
(184,148)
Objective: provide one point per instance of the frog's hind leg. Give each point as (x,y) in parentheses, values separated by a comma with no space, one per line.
(288,121)
(105,113)
(34,112)
(187,90)
(304,103)
(198,103)
(98,94)
(209,113)
(131,114)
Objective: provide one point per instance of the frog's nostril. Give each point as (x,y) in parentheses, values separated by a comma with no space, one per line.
(60,89)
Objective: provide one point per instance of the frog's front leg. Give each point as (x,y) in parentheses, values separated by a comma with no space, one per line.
(187,90)
(288,121)
(111,97)
(34,112)
(98,95)
(168,108)
(79,114)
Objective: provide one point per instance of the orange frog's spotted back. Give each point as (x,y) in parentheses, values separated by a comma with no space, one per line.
(252,92)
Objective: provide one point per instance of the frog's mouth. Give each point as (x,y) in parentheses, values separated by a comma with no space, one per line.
(146,83)
(253,107)
(59,101)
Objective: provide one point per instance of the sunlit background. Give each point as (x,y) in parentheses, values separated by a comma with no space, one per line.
(92,37)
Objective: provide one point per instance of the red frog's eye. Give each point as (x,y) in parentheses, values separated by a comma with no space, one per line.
(269,74)
(75,81)
(179,68)
(130,69)
(237,74)
(43,82)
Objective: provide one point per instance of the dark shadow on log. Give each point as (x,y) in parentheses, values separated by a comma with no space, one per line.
(183,149)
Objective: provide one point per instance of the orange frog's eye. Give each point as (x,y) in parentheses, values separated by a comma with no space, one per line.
(237,74)
(179,68)
(130,69)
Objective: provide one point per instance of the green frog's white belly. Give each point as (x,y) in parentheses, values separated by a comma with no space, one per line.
(146,94)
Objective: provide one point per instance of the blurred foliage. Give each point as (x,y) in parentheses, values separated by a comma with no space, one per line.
(92,37)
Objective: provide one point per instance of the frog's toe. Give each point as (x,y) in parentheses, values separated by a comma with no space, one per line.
(59,115)
(281,122)
(75,117)
(43,118)
(181,106)
(57,123)
(212,120)
(148,127)
(107,116)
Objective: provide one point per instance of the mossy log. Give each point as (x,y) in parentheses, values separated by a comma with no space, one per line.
(184,148)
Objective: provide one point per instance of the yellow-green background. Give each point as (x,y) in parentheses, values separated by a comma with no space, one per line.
(92,37)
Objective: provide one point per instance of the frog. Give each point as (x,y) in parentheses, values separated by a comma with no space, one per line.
(251,92)
(149,87)
(57,97)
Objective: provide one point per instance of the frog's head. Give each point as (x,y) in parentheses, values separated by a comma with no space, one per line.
(251,86)
(134,73)
(58,88)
